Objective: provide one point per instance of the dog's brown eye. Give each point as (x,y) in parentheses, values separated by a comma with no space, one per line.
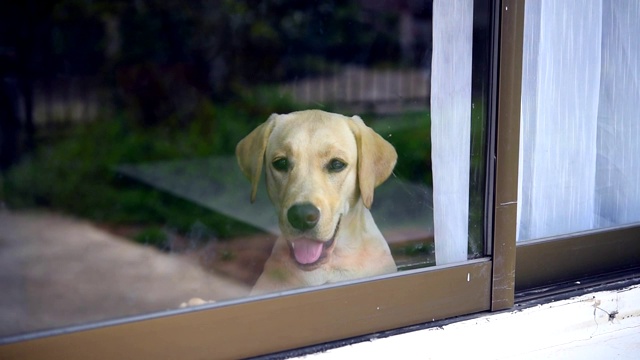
(336,165)
(281,164)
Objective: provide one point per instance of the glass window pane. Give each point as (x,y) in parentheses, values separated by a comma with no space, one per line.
(124,192)
(579,168)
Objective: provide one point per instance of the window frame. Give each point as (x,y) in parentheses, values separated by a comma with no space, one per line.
(276,323)
(573,257)
(505,155)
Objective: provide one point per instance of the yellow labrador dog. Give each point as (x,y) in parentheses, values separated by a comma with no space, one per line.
(321,171)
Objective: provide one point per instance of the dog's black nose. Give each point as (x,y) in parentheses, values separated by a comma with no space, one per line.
(303,216)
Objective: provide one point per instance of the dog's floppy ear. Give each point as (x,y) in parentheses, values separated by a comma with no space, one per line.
(376,159)
(250,153)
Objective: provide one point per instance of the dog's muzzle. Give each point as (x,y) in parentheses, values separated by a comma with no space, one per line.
(310,253)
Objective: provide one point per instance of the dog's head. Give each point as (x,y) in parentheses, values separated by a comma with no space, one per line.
(318,165)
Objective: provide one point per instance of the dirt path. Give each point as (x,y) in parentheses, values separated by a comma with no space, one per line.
(57,271)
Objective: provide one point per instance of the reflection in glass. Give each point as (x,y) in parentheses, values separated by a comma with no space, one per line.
(124,195)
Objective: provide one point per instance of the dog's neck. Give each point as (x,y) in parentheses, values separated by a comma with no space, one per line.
(358,222)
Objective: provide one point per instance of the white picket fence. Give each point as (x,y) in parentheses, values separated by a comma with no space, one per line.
(73,100)
(378,90)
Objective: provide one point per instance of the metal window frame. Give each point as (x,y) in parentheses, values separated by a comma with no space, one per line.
(295,320)
(506,154)
(277,323)
(575,257)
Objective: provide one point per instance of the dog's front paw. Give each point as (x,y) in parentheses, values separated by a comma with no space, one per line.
(195,302)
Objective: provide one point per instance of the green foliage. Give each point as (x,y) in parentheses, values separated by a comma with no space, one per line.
(153,236)
(227,255)
(409,133)
(77,174)
(415,249)
(258,101)
(231,44)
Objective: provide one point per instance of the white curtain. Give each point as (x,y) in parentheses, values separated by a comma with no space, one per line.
(618,157)
(580,134)
(451,126)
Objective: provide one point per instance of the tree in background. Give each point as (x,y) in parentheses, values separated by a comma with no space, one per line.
(151,50)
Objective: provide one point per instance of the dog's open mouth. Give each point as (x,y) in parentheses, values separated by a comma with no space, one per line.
(309,253)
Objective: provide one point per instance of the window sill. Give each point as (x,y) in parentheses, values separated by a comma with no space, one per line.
(598,324)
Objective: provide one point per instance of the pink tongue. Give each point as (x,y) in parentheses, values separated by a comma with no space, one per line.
(307,251)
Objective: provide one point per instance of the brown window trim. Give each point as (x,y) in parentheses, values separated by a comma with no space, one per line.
(577,256)
(277,323)
(506,153)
